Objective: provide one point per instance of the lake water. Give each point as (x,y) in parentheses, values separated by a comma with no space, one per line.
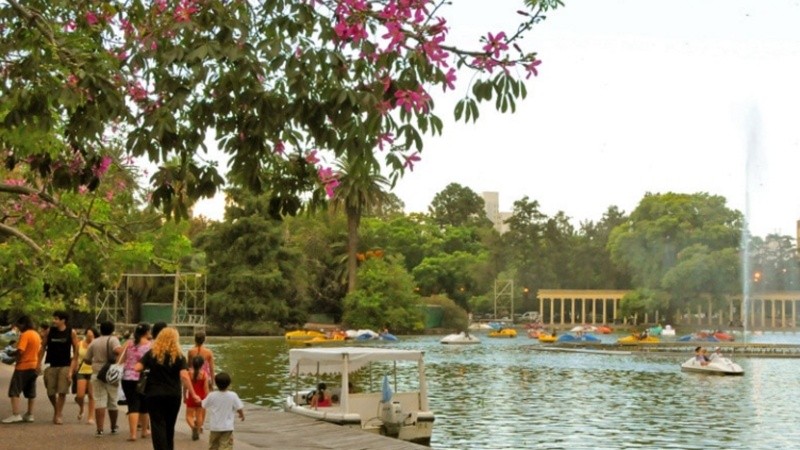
(504,394)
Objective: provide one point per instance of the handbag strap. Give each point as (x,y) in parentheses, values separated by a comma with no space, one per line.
(122,354)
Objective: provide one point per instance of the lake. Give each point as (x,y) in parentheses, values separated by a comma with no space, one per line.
(504,394)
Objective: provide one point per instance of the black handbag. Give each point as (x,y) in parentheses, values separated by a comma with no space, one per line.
(141,385)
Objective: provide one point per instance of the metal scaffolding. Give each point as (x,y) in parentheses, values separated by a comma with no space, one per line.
(186,309)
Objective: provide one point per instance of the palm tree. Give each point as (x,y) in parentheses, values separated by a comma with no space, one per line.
(361,188)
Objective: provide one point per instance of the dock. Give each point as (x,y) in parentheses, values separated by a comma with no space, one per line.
(262,428)
(733,349)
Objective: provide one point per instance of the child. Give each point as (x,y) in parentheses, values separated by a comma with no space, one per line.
(221,406)
(9,354)
(195,414)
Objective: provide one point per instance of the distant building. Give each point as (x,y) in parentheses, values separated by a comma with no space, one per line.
(491,205)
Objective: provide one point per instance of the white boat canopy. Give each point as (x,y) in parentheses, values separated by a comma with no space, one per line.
(332,360)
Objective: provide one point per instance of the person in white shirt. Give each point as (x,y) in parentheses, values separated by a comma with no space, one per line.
(221,409)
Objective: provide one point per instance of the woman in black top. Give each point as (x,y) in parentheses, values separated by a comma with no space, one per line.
(167,372)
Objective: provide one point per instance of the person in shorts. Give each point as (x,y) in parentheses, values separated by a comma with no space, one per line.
(60,344)
(102,349)
(222,407)
(23,380)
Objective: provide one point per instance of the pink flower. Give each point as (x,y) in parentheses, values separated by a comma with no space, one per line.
(82,189)
(495,44)
(102,167)
(312,157)
(410,160)
(449,80)
(70,26)
(184,11)
(531,68)
(161,5)
(330,188)
(91,18)
(110,195)
(280,148)
(72,80)
(386,138)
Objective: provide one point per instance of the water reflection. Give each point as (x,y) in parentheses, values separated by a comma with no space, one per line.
(504,394)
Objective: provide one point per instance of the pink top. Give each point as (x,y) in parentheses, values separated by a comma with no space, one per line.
(132,356)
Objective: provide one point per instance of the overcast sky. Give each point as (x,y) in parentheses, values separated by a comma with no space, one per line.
(633,96)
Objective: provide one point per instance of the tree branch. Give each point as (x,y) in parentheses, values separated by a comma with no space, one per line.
(24,190)
(11,231)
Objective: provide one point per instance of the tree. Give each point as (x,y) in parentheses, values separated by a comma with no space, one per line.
(670,236)
(272,83)
(252,274)
(457,205)
(384,298)
(361,188)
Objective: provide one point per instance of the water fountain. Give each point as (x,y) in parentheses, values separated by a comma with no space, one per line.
(751,181)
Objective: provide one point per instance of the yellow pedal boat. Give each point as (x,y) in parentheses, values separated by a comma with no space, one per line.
(547,338)
(635,340)
(503,333)
(303,335)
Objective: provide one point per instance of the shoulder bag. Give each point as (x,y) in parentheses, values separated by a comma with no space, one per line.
(111,372)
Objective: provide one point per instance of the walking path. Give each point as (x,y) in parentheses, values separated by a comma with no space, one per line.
(262,428)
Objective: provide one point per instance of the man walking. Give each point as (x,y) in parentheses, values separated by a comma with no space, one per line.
(23,380)
(101,350)
(61,345)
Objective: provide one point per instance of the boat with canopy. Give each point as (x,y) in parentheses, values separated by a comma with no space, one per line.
(394,410)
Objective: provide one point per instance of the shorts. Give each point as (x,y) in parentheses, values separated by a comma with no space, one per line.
(23,382)
(105,395)
(55,380)
(221,440)
(84,376)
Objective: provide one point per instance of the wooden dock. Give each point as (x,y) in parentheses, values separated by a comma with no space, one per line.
(264,428)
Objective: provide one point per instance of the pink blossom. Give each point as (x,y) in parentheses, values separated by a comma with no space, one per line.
(449,80)
(330,187)
(110,195)
(72,80)
(531,68)
(161,5)
(280,148)
(70,26)
(184,11)
(410,160)
(387,138)
(384,107)
(395,35)
(102,167)
(495,44)
(91,18)
(137,92)
(82,189)
(312,157)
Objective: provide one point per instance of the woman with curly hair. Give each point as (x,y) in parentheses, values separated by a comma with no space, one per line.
(167,371)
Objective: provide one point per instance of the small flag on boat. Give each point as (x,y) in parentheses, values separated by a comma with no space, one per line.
(386,391)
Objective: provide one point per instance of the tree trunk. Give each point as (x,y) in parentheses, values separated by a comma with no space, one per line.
(353,219)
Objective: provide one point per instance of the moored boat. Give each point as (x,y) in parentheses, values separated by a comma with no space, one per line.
(303,335)
(547,338)
(636,339)
(387,411)
(577,338)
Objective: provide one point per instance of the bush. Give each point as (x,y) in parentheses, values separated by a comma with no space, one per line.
(455,317)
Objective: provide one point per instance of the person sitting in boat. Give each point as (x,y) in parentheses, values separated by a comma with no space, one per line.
(321,397)
(643,335)
(717,354)
(700,357)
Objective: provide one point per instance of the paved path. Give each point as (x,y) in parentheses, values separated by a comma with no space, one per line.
(262,428)
(43,434)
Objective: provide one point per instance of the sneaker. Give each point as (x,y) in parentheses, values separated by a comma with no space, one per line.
(195,434)
(98,433)
(16,418)
(114,430)
(27,417)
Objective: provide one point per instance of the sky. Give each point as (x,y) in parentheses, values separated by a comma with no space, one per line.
(633,96)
